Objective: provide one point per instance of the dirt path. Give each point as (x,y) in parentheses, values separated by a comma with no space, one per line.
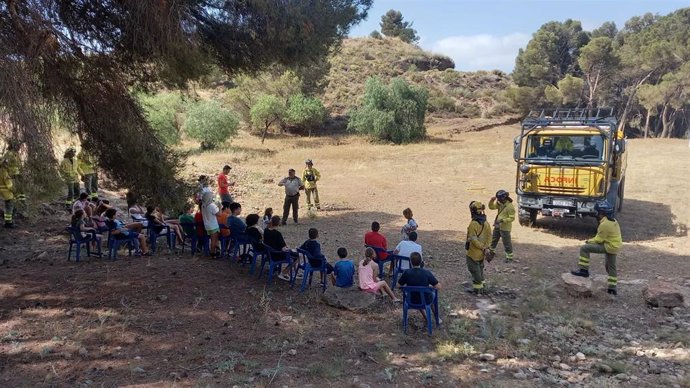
(174,320)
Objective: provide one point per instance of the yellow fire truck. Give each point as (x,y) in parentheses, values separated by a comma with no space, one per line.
(567,161)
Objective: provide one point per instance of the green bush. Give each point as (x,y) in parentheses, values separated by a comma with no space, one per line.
(500,109)
(441,103)
(161,110)
(210,124)
(305,112)
(469,111)
(394,112)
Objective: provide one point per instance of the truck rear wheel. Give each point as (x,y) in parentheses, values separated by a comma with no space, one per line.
(528,220)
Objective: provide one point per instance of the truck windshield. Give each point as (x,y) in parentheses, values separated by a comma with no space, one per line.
(574,147)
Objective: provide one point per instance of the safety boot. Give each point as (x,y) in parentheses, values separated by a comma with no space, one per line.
(612,291)
(10,225)
(581,272)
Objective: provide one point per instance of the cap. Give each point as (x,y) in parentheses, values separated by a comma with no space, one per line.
(308,161)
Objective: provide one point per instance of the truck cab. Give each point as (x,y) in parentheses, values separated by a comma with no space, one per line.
(568,160)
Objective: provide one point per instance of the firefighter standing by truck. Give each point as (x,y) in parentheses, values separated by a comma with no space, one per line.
(6,193)
(477,246)
(69,171)
(503,223)
(607,241)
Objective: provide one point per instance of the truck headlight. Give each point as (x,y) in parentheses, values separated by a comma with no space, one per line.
(524,168)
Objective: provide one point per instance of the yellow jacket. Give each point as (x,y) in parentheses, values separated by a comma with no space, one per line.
(5,184)
(310,184)
(609,234)
(86,163)
(480,238)
(14,163)
(69,170)
(506,214)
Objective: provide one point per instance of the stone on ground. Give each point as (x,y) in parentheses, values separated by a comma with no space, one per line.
(348,298)
(577,285)
(663,294)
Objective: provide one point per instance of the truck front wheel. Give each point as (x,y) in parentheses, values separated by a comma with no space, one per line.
(529,220)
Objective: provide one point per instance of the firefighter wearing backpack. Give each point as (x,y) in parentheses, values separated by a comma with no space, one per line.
(477,246)
(6,193)
(607,241)
(503,223)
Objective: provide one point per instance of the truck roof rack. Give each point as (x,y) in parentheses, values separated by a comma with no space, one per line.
(572,116)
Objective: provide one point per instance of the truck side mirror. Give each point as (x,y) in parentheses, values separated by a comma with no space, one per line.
(619,147)
(516,148)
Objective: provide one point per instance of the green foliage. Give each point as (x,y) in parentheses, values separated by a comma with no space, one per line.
(161,112)
(376,35)
(392,25)
(599,63)
(210,124)
(607,29)
(305,112)
(523,98)
(267,111)
(395,113)
(442,103)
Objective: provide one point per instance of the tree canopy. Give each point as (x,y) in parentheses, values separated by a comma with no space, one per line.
(80,60)
(392,25)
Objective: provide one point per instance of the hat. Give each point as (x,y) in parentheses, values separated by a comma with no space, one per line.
(308,161)
(476,206)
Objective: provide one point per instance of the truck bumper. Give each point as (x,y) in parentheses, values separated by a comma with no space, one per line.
(556,206)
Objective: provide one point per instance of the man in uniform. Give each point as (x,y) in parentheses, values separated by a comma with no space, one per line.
(14,165)
(292,186)
(310,176)
(503,223)
(69,170)
(6,193)
(87,169)
(607,241)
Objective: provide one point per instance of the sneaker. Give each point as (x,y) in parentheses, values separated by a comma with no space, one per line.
(473,291)
(581,272)
(283,276)
(612,291)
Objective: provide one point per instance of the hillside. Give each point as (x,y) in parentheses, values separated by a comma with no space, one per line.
(465,94)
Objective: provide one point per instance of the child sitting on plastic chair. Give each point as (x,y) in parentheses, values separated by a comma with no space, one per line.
(418,277)
(313,247)
(79,222)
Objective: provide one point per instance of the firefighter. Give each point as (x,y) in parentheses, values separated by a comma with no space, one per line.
(477,246)
(503,223)
(607,241)
(14,165)
(69,170)
(6,193)
(310,176)
(87,169)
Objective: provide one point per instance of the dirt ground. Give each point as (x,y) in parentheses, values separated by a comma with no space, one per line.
(175,320)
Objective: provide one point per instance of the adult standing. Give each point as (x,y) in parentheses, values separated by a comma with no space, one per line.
(503,223)
(224,185)
(69,170)
(292,186)
(477,245)
(607,241)
(87,168)
(310,176)
(14,165)
(6,192)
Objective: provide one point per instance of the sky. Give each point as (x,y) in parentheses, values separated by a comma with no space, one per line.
(487,34)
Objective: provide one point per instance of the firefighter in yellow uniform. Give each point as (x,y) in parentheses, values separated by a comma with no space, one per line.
(607,241)
(14,164)
(310,176)
(477,245)
(87,169)
(6,187)
(69,171)
(503,223)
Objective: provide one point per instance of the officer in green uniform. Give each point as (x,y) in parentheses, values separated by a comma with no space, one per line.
(69,171)
(87,169)
(6,193)
(503,223)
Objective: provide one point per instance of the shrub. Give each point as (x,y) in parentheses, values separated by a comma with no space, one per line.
(161,110)
(266,111)
(305,112)
(394,112)
(469,110)
(210,124)
(441,103)
(376,35)
(500,109)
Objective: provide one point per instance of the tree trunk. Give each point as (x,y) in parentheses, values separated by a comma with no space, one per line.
(664,121)
(624,117)
(263,133)
(646,123)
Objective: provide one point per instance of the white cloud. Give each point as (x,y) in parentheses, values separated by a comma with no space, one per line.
(482,52)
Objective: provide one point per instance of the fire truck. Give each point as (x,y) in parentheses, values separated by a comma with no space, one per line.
(567,161)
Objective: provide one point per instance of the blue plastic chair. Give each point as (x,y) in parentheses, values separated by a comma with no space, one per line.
(195,239)
(398,268)
(381,263)
(75,238)
(166,232)
(114,244)
(273,262)
(308,271)
(241,247)
(428,308)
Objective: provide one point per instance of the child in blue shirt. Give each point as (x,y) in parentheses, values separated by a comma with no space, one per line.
(313,247)
(344,270)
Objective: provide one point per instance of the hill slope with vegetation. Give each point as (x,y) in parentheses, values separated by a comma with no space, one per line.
(467,94)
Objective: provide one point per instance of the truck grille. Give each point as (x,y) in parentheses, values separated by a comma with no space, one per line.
(561,189)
